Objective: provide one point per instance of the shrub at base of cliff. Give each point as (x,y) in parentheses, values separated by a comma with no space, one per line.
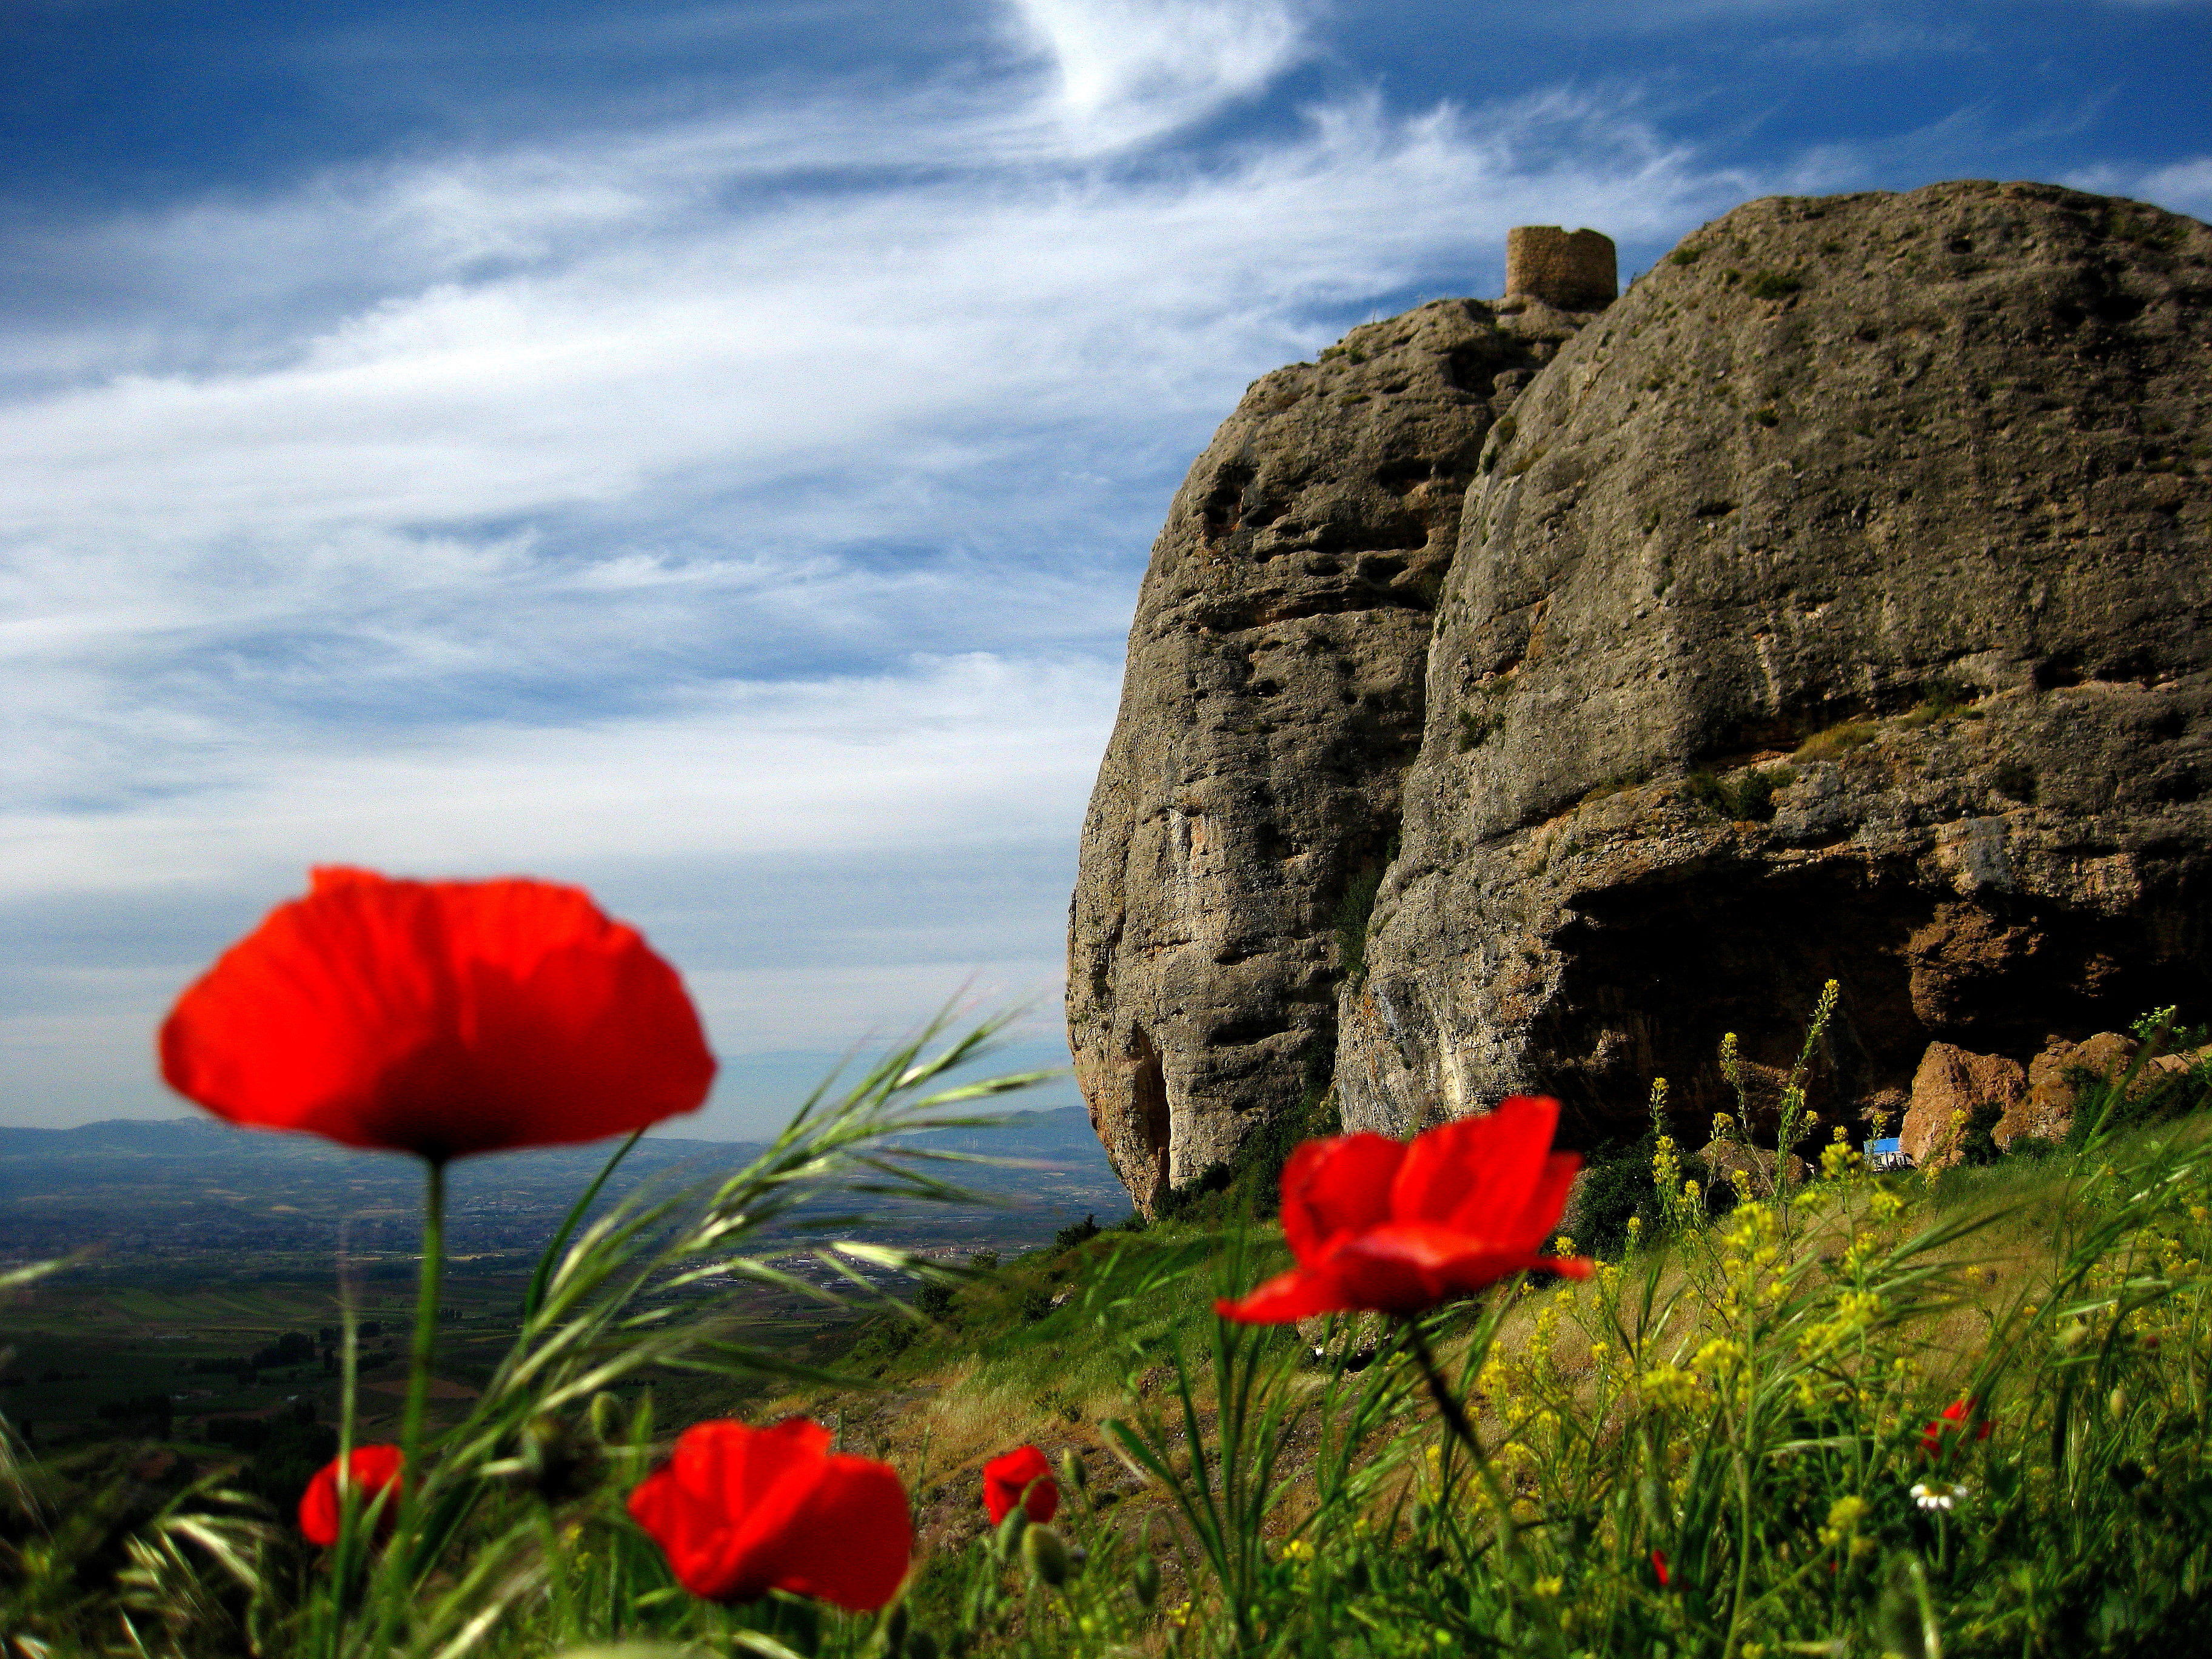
(1252,1182)
(1615,1188)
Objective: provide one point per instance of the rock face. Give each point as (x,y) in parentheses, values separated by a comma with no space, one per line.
(1835,605)
(1249,797)
(1951,1084)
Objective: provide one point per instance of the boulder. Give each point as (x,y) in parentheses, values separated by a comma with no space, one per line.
(2054,1079)
(1948,1087)
(2179,1065)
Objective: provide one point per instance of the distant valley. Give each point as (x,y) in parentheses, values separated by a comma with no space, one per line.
(184,1190)
(205,1287)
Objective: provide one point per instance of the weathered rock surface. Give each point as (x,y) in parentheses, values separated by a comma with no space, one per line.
(1833,606)
(1273,697)
(1919,478)
(2053,1082)
(1949,1087)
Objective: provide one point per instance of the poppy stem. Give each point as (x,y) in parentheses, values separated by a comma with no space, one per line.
(1448,1406)
(1456,1418)
(426,1318)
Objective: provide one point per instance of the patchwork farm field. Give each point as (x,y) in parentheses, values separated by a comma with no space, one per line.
(88,1358)
(204,1283)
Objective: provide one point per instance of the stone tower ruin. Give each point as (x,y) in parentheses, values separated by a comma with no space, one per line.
(1575,270)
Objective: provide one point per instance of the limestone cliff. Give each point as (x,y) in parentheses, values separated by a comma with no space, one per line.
(1833,604)
(1273,697)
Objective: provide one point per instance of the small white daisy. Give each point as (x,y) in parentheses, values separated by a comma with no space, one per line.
(1938,1494)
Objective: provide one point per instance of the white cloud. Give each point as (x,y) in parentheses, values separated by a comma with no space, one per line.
(904,325)
(977,751)
(1129,70)
(2180,186)
(769,486)
(680,439)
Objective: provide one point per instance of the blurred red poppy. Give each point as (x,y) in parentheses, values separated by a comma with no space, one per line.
(1006,1478)
(1956,1417)
(1659,1567)
(440,1018)
(374,1469)
(1398,1227)
(740,1511)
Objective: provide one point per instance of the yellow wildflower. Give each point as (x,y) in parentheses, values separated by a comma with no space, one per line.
(1669,1385)
(1843,1517)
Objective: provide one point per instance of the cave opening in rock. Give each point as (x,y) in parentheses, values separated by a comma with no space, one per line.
(1656,973)
(1148,1102)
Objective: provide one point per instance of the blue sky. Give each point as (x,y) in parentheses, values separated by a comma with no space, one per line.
(707,452)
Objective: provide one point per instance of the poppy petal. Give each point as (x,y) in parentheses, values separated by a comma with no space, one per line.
(717,1507)
(1473,1175)
(851,1541)
(1006,1477)
(440,1018)
(371,1469)
(1299,1294)
(1337,1186)
(1404,1266)
(1411,1265)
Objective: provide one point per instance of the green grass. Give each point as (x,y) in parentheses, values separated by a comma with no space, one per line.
(1742,1397)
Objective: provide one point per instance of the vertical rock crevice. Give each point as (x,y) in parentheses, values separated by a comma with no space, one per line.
(1273,696)
(1148,1118)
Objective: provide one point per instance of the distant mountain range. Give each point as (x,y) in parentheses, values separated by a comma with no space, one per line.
(182,1185)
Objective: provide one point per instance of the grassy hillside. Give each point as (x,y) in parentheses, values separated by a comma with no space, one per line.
(1749,1397)
(1874,1414)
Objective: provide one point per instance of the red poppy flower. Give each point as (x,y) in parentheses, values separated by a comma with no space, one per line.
(438,1018)
(1956,1416)
(1659,1566)
(1004,1479)
(740,1511)
(374,1469)
(1399,1226)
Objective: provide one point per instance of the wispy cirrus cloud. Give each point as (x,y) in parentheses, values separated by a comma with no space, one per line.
(737,504)
(721,443)
(2184,186)
(1125,71)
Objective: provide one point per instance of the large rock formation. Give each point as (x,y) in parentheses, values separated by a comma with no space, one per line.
(1833,606)
(1249,797)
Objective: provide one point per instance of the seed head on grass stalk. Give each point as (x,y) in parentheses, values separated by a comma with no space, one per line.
(452,1018)
(439,1018)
